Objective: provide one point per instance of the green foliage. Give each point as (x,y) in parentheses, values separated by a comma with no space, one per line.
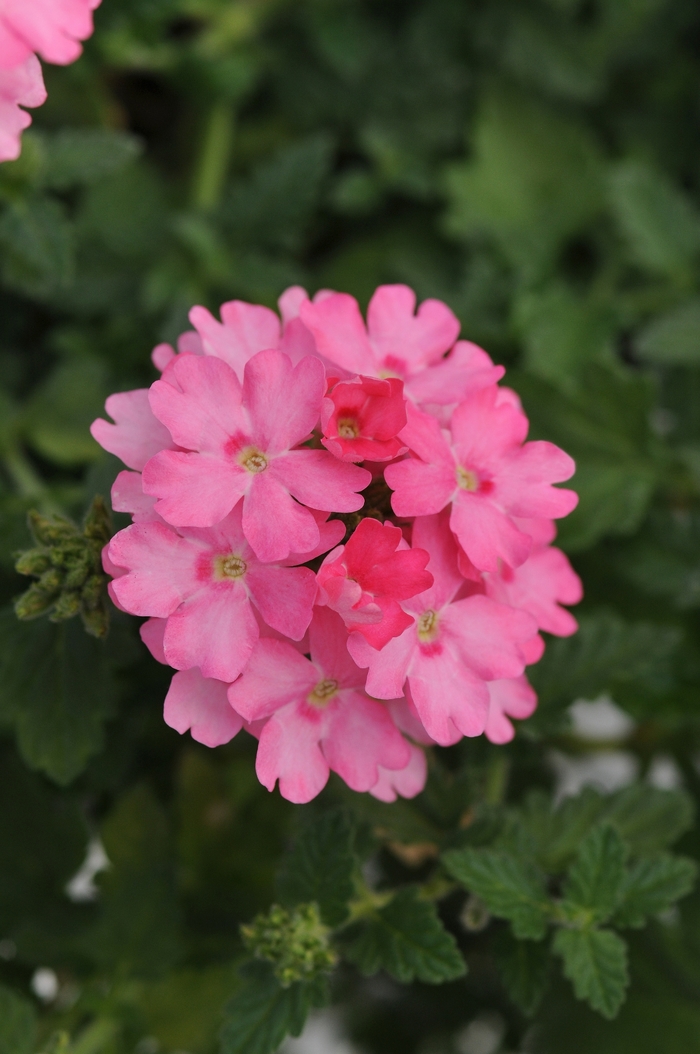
(406,938)
(533,163)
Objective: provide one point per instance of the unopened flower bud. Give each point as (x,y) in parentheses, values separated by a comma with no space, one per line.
(296,942)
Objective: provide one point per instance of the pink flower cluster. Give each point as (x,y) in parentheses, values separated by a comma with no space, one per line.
(340,538)
(50,28)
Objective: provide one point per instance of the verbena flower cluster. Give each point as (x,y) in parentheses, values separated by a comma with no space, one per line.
(49,28)
(341,539)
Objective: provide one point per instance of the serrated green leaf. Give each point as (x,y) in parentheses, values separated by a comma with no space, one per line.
(57,689)
(58,415)
(653,885)
(18,1023)
(673,339)
(557,831)
(594,882)
(595,961)
(649,819)
(510,888)
(407,939)
(262,1013)
(320,867)
(80,156)
(524,968)
(38,247)
(138,927)
(660,223)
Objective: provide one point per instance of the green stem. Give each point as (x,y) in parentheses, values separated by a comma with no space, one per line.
(496,779)
(96,1037)
(212,167)
(27,481)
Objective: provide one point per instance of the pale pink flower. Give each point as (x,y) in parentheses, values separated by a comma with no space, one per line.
(364,579)
(242,442)
(53,28)
(399,342)
(540,585)
(21,85)
(136,434)
(319,717)
(455,646)
(200,705)
(204,582)
(244,330)
(128,496)
(361,419)
(404,783)
(508,698)
(485,471)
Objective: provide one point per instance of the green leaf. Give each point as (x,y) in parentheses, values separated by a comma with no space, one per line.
(673,339)
(653,885)
(57,688)
(660,223)
(595,961)
(510,888)
(605,651)
(37,247)
(595,879)
(524,969)
(18,1024)
(59,413)
(320,867)
(407,939)
(262,1013)
(79,156)
(649,819)
(139,925)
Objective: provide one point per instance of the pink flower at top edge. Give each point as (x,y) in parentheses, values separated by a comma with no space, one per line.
(364,579)
(487,474)
(453,648)
(204,582)
(406,782)
(361,419)
(319,716)
(136,434)
(240,442)
(399,342)
(53,28)
(200,705)
(508,698)
(22,85)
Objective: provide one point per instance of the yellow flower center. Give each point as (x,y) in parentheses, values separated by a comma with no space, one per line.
(427,626)
(467,479)
(348,428)
(323,692)
(230,566)
(253,460)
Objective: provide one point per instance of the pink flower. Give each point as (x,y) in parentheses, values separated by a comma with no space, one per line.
(53,28)
(241,443)
(539,586)
(485,472)
(204,583)
(508,698)
(361,419)
(364,579)
(21,85)
(399,343)
(406,782)
(128,496)
(455,646)
(320,718)
(137,434)
(244,330)
(200,705)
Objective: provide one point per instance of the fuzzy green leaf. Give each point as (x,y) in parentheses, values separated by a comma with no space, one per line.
(262,1013)
(17,1023)
(653,885)
(320,866)
(524,969)
(595,961)
(596,877)
(510,888)
(407,939)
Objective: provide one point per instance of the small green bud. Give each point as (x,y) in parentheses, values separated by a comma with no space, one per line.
(34,602)
(296,942)
(33,562)
(67,605)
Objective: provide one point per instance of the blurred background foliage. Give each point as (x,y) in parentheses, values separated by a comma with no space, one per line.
(534,163)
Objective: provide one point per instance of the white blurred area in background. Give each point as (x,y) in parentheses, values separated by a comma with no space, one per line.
(323,1034)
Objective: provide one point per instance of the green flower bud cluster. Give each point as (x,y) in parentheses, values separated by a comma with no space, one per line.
(68,566)
(296,942)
